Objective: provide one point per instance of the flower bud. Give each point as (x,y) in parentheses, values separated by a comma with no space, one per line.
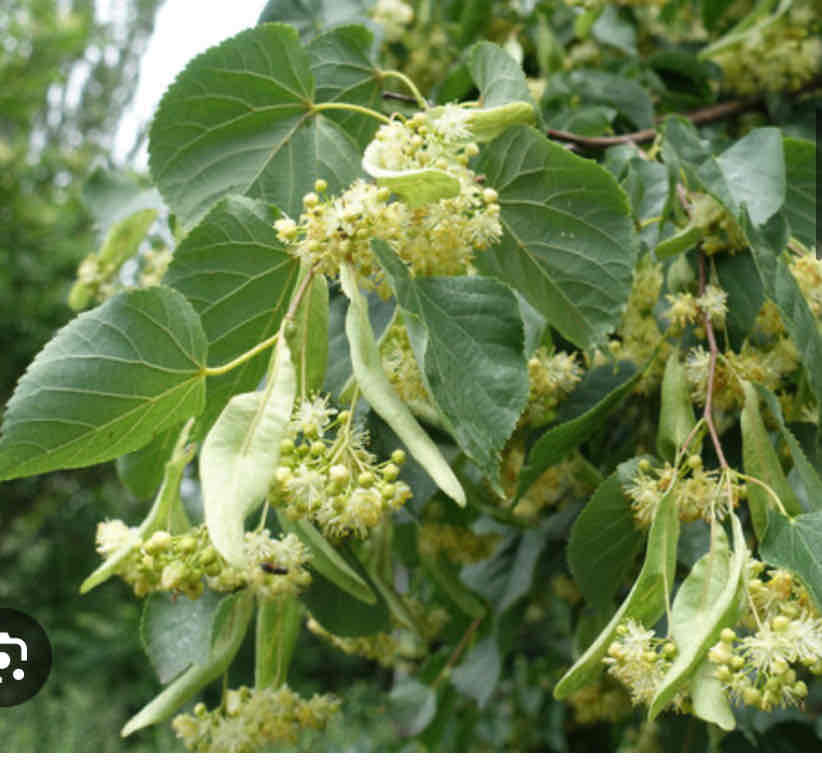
(727,635)
(158,541)
(187,544)
(780,623)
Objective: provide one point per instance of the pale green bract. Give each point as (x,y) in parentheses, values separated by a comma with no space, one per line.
(707,602)
(240,454)
(372,381)
(415,186)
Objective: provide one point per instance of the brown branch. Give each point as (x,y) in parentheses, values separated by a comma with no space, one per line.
(698,117)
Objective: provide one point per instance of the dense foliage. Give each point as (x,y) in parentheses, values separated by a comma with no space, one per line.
(59,106)
(461,348)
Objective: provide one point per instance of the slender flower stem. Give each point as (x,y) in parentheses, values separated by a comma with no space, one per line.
(243,357)
(268,342)
(410,85)
(352,108)
(714,353)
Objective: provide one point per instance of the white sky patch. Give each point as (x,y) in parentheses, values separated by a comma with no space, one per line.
(184,28)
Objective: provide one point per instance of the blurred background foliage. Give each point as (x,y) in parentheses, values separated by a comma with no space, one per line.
(66,78)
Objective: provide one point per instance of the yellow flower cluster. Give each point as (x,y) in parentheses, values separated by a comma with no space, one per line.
(760,669)
(401,366)
(249,720)
(436,238)
(327,475)
(699,494)
(639,660)
(185,563)
(456,543)
(380,647)
(552,376)
(603,701)
(780,55)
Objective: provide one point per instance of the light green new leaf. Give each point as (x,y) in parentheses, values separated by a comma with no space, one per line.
(796,544)
(676,413)
(800,198)
(327,561)
(467,334)
(374,385)
(121,243)
(750,173)
(497,75)
(176,631)
(413,706)
(240,119)
(239,278)
(106,384)
(645,602)
(161,515)
(761,462)
(228,630)
(568,243)
(603,543)
(707,601)
(240,454)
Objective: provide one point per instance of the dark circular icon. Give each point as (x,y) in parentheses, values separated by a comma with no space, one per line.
(25,657)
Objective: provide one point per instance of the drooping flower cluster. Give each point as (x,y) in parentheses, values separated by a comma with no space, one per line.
(394,16)
(552,376)
(638,331)
(760,668)
(432,238)
(276,567)
(327,475)
(249,720)
(381,647)
(401,366)
(781,54)
(458,544)
(561,480)
(700,494)
(639,660)
(186,563)
(769,366)
(603,700)
(807,270)
(402,644)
